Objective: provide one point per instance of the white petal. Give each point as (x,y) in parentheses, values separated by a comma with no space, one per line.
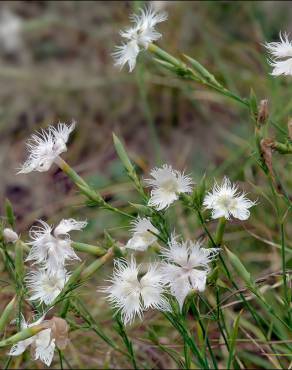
(67,225)
(20,347)
(127,53)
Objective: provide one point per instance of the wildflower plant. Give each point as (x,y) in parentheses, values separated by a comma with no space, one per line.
(182,279)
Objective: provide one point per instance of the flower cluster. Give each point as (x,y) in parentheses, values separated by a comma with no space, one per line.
(185,268)
(185,264)
(50,249)
(138,37)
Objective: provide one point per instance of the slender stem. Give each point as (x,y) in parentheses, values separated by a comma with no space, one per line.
(284,265)
(187,356)
(188,72)
(60,358)
(94,266)
(220,231)
(90,193)
(197,315)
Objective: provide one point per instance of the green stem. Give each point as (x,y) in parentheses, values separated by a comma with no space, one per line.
(220,231)
(123,334)
(60,358)
(197,315)
(85,189)
(188,72)
(286,294)
(94,266)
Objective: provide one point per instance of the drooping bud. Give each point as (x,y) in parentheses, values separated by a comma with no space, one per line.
(9,235)
(263,112)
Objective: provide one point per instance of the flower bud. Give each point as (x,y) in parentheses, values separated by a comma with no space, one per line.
(9,235)
(263,112)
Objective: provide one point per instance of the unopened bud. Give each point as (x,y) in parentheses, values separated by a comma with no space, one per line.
(263,112)
(290,128)
(9,235)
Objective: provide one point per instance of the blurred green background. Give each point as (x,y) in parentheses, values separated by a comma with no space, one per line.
(56,66)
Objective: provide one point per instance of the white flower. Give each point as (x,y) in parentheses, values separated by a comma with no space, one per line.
(281,54)
(42,343)
(186,267)
(46,287)
(45,147)
(132,294)
(9,235)
(167,185)
(225,201)
(139,36)
(52,248)
(142,238)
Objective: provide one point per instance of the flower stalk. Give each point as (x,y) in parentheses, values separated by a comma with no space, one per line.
(94,266)
(22,335)
(220,231)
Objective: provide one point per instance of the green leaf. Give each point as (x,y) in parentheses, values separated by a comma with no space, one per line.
(240,268)
(234,335)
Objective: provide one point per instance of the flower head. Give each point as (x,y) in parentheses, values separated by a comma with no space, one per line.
(281,55)
(142,237)
(42,343)
(139,36)
(45,146)
(52,247)
(132,294)
(225,201)
(167,185)
(186,267)
(46,287)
